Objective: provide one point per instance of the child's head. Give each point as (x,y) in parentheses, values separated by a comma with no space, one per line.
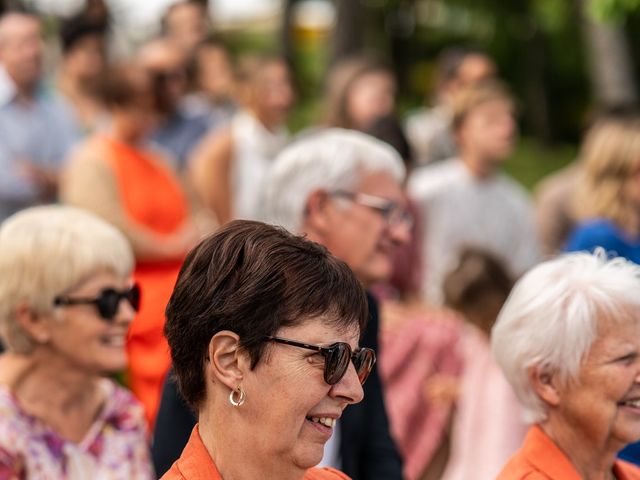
(478,287)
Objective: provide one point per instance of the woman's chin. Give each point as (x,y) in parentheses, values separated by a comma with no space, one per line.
(310,458)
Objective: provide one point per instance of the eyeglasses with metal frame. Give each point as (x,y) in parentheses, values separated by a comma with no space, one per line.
(393,212)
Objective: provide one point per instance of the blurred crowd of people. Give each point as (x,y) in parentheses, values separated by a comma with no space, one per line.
(170,145)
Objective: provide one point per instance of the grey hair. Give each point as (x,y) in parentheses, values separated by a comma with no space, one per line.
(551,318)
(332,159)
(45,251)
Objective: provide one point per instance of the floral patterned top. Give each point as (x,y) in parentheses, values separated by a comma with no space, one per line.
(114,448)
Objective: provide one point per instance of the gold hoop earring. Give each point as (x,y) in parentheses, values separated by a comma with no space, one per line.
(241,397)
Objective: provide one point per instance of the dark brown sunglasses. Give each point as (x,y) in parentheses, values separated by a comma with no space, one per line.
(337,357)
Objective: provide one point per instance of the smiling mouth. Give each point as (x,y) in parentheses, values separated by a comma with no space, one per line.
(114,340)
(326,421)
(635,403)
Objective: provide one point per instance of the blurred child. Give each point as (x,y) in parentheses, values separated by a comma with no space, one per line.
(487,426)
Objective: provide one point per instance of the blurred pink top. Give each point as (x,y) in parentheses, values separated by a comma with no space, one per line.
(417,346)
(488,427)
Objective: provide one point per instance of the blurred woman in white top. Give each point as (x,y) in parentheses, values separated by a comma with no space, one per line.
(227,169)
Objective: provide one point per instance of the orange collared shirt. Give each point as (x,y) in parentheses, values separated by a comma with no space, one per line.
(196,464)
(541,459)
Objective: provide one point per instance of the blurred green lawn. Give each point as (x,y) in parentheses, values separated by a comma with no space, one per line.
(532,161)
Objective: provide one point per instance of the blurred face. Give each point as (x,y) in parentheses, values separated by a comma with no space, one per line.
(287,395)
(166,66)
(21,49)
(187,25)
(82,338)
(603,405)
(474,70)
(272,96)
(215,77)
(138,118)
(488,131)
(86,60)
(361,235)
(370,97)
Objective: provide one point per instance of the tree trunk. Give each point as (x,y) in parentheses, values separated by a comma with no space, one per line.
(349,30)
(287,44)
(609,61)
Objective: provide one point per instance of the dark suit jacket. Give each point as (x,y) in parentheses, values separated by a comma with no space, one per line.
(366,448)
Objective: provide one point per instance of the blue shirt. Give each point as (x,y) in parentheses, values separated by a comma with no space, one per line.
(604,233)
(39,132)
(179,135)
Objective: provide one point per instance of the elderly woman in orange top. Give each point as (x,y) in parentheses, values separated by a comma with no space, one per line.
(263,328)
(568,340)
(124,180)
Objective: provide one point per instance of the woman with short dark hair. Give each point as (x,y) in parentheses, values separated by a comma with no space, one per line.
(263,328)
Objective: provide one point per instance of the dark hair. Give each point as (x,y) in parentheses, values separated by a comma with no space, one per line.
(478,287)
(389,130)
(450,60)
(252,278)
(122,85)
(77,28)
(8,7)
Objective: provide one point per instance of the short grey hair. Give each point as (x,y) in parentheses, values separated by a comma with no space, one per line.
(552,315)
(332,159)
(46,251)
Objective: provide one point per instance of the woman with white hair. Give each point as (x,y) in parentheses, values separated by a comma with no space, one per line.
(568,340)
(66,301)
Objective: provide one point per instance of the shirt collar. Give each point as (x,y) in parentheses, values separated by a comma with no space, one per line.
(547,457)
(195,463)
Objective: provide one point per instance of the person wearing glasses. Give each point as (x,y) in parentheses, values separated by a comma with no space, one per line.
(264,331)
(340,188)
(66,301)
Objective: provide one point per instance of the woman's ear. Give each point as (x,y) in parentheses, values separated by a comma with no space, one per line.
(315,213)
(544,383)
(36,326)
(228,362)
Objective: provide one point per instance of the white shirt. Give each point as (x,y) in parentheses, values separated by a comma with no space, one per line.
(460,210)
(429,134)
(254,147)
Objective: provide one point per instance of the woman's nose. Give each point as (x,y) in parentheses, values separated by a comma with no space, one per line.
(125,312)
(348,388)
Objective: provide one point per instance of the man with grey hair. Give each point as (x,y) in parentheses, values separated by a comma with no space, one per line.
(35,132)
(342,189)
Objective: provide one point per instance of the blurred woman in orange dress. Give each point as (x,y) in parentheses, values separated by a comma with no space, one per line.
(117,175)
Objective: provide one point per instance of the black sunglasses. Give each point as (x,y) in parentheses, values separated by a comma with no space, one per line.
(107,301)
(337,357)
